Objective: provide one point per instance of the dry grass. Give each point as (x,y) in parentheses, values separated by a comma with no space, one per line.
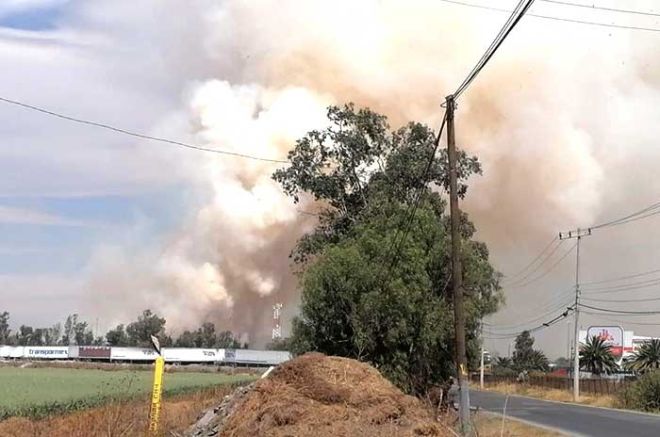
(315,395)
(118,419)
(553,394)
(489,425)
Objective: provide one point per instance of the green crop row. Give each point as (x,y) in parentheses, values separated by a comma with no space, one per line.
(41,392)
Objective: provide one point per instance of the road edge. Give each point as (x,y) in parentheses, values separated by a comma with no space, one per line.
(533,424)
(620,410)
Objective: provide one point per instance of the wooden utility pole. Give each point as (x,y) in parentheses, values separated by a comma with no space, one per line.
(576,341)
(456,271)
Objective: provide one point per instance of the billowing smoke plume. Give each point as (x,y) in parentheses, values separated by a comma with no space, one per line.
(547,118)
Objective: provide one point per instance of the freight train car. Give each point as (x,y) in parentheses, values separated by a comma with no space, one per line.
(190,355)
(252,357)
(232,357)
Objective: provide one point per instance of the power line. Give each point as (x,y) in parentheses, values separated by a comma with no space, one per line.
(637,284)
(619,278)
(545,248)
(603,8)
(653,299)
(530,273)
(609,310)
(553,304)
(533,330)
(642,213)
(544,274)
(412,209)
(137,134)
(521,8)
(550,17)
(554,309)
(624,287)
(629,322)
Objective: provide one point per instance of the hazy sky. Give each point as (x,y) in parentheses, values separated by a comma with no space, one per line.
(564,119)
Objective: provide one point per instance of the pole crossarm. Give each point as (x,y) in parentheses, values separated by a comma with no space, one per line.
(575,233)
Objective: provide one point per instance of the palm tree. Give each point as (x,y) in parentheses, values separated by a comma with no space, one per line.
(504,363)
(538,361)
(647,357)
(596,356)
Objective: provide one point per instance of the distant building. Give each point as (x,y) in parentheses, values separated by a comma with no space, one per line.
(622,343)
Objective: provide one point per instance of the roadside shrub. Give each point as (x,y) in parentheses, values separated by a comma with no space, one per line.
(643,394)
(504,371)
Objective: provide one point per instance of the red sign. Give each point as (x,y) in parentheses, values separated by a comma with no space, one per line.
(612,336)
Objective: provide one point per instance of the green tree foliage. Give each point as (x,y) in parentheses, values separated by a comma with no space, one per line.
(186,339)
(52,335)
(357,162)
(76,331)
(117,336)
(206,337)
(227,340)
(562,362)
(139,332)
(25,336)
(647,357)
(82,334)
(643,394)
(280,344)
(525,357)
(504,362)
(5,332)
(596,357)
(503,366)
(358,298)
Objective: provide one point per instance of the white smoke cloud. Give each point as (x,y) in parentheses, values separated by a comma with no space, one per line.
(554,117)
(223,259)
(539,117)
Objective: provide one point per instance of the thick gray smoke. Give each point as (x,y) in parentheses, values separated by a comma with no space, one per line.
(553,118)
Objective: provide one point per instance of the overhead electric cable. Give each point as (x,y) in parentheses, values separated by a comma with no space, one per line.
(642,213)
(521,8)
(536,329)
(137,134)
(555,303)
(566,304)
(544,274)
(636,284)
(550,17)
(602,8)
(547,257)
(523,270)
(652,299)
(628,322)
(620,278)
(623,287)
(610,310)
(396,245)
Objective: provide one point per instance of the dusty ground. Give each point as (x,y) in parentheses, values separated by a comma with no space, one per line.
(488,425)
(117,419)
(553,394)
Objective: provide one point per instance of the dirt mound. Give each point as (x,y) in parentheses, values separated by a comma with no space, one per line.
(315,395)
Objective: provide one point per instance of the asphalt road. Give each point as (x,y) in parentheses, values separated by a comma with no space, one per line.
(571,419)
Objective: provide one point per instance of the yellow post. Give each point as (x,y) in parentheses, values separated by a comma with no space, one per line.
(154,412)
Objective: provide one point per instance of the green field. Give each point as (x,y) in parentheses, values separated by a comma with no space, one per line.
(37,392)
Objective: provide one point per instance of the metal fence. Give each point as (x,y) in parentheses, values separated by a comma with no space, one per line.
(595,386)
